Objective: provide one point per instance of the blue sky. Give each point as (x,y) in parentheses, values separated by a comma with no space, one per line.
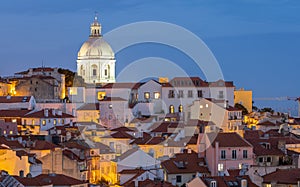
(256,42)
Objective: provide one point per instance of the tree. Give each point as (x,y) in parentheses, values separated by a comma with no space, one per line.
(267,109)
(241,107)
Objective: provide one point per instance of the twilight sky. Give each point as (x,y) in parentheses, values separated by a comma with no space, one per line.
(256,42)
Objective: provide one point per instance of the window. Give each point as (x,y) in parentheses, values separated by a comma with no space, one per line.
(233,155)
(54,121)
(25,122)
(118,149)
(10,132)
(147,95)
(199,93)
(180,108)
(171,94)
(180,94)
(190,93)
(268,185)
(269,159)
(94,70)
(261,159)
(171,109)
(33,122)
(221,94)
(245,154)
(178,179)
(156,95)
(223,154)
(44,122)
(213,184)
(220,167)
(110,106)
(14,120)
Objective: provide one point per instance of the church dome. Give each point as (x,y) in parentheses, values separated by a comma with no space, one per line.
(96,47)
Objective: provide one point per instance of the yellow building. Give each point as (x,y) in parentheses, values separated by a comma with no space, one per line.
(13,161)
(89,112)
(243,97)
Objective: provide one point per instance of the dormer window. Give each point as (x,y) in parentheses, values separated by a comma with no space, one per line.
(243,183)
(213,184)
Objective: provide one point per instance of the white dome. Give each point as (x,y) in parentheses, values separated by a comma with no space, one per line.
(96,48)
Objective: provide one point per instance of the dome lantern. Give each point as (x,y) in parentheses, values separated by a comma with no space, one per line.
(95,28)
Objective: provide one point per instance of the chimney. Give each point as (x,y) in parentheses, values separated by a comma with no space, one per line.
(46,112)
(136,183)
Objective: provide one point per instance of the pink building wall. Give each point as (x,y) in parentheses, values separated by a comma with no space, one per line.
(213,156)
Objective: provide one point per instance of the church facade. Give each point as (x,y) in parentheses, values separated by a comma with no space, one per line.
(96,59)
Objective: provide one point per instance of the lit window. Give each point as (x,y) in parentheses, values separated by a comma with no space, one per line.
(44,122)
(171,109)
(180,108)
(220,167)
(54,122)
(147,95)
(156,95)
(14,120)
(206,105)
(201,106)
(10,132)
(110,106)
(33,122)
(4,132)
(268,185)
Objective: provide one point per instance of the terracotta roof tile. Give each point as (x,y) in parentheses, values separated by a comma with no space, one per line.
(228,140)
(283,176)
(14,99)
(41,114)
(185,163)
(89,106)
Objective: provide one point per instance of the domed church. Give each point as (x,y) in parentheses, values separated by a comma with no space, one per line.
(96,60)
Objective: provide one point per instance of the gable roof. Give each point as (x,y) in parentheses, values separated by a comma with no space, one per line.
(185,163)
(13,113)
(129,85)
(47,179)
(15,99)
(89,106)
(41,114)
(228,140)
(283,176)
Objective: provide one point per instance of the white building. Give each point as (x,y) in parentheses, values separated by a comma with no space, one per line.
(96,59)
(217,111)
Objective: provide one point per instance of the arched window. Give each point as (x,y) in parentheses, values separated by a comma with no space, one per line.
(180,108)
(94,70)
(171,109)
